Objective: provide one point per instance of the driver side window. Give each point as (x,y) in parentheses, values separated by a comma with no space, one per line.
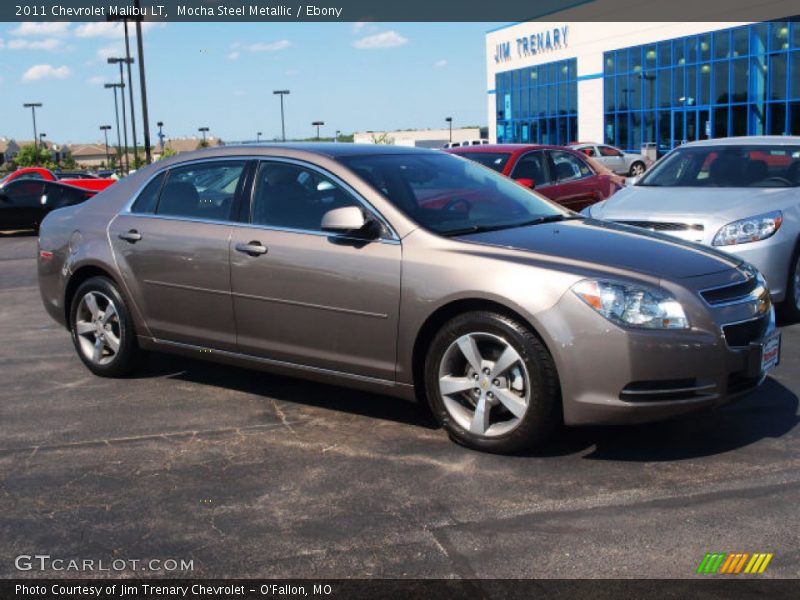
(295,197)
(533,166)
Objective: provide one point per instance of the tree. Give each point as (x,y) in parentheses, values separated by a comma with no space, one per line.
(29,157)
(168,151)
(383,138)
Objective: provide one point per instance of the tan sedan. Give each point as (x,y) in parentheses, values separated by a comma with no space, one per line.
(406,272)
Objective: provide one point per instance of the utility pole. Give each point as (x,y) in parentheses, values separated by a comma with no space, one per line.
(114,86)
(120,61)
(104,129)
(282,93)
(148,156)
(33,106)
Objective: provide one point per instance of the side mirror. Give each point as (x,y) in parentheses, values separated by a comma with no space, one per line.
(348,219)
(525,182)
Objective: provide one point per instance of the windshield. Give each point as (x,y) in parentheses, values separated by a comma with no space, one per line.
(728,166)
(449,195)
(493,160)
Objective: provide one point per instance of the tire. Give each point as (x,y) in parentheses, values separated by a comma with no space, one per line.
(790,307)
(503,412)
(637,169)
(104,338)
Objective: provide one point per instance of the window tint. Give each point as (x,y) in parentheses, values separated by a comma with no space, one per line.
(447,195)
(147,200)
(588,151)
(569,167)
(609,151)
(493,160)
(532,166)
(295,197)
(24,193)
(201,190)
(728,166)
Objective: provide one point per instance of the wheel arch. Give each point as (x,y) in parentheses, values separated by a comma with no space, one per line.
(81,274)
(444,313)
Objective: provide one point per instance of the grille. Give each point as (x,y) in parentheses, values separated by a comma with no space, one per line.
(730,293)
(741,334)
(663,226)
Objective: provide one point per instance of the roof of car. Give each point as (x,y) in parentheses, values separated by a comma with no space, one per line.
(759,140)
(330,149)
(504,148)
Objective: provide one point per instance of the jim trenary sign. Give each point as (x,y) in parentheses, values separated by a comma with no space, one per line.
(531,45)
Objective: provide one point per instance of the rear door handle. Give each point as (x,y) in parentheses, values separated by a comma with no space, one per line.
(131,236)
(252,248)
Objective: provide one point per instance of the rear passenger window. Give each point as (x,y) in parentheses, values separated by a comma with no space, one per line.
(201,191)
(147,200)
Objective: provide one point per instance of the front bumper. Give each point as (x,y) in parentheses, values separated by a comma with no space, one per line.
(615,375)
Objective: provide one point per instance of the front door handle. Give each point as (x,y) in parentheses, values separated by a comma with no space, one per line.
(252,248)
(131,236)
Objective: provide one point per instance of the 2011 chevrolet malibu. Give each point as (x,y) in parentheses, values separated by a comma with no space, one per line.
(406,272)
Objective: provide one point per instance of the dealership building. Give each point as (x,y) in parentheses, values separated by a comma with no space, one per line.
(635,84)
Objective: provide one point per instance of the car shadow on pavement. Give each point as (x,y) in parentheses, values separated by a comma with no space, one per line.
(770,412)
(288,389)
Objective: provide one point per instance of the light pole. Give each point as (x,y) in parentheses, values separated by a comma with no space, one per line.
(143,86)
(258,137)
(318,124)
(120,62)
(450,123)
(104,129)
(160,125)
(336,138)
(203,130)
(129,62)
(114,86)
(33,106)
(282,93)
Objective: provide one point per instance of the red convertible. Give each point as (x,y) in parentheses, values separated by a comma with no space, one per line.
(40,173)
(561,174)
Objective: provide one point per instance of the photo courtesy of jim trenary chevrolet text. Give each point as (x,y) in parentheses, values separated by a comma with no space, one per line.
(354,300)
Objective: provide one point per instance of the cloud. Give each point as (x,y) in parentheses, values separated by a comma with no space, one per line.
(96,80)
(109,51)
(233,55)
(358,26)
(37,72)
(269,46)
(30,28)
(105,29)
(386,39)
(440,63)
(46,44)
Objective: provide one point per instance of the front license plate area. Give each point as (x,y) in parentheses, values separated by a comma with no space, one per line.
(771,351)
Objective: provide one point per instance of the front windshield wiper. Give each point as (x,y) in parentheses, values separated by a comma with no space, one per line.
(485,228)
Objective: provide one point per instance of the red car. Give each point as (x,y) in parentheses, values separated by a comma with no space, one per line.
(95,184)
(561,174)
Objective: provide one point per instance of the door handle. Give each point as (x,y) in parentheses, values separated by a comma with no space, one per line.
(131,236)
(252,248)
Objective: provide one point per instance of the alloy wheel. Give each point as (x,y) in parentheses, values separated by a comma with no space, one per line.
(97,327)
(484,384)
(637,169)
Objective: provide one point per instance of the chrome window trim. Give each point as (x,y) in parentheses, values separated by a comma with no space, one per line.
(126,209)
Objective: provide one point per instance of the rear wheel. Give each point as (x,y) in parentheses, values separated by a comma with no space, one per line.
(637,169)
(102,329)
(492,384)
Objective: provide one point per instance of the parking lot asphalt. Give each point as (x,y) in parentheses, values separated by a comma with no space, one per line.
(253,475)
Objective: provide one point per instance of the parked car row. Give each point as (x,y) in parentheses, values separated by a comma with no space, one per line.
(421,274)
(81,179)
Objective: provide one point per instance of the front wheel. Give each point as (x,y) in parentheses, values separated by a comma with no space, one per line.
(102,329)
(791,304)
(492,383)
(637,169)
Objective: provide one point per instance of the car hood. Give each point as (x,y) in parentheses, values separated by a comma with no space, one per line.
(605,244)
(637,202)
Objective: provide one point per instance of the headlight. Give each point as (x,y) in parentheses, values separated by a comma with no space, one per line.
(632,305)
(749,230)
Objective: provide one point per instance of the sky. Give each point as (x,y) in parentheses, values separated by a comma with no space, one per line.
(352,76)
